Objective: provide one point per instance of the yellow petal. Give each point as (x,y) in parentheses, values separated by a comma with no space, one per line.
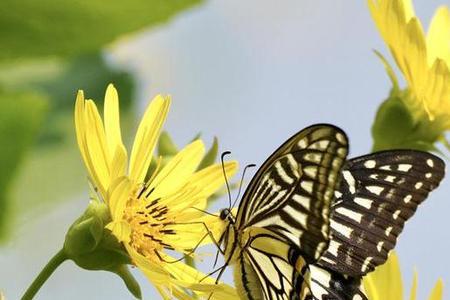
(385,282)
(438,37)
(80,125)
(408,9)
(199,187)
(370,287)
(118,195)
(438,291)
(190,278)
(413,293)
(121,230)
(96,145)
(146,137)
(178,170)
(112,120)
(153,271)
(119,163)
(191,233)
(210,179)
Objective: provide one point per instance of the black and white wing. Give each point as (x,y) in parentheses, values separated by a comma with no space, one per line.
(378,193)
(287,205)
(292,192)
(267,270)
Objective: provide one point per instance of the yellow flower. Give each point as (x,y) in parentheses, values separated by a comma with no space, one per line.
(151,215)
(424,60)
(386,283)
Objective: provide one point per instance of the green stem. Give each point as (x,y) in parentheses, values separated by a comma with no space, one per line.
(51,266)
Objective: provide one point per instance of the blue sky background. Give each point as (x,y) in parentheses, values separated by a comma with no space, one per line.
(252,73)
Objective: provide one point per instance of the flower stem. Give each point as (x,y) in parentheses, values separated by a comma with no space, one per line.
(51,266)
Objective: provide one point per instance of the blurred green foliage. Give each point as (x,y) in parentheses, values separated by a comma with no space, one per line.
(59,80)
(56,153)
(21,114)
(30,28)
(54,48)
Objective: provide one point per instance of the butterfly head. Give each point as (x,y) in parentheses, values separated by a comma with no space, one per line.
(226,215)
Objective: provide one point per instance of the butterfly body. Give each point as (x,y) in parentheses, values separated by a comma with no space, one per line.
(311,224)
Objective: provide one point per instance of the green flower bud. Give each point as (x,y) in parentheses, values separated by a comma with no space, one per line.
(394,126)
(93,247)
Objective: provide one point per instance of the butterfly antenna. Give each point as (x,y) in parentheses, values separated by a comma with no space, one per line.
(225,174)
(204,211)
(241,182)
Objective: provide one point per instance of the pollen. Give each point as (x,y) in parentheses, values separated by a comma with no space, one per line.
(149,220)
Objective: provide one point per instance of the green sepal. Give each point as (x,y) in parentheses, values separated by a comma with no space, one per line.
(210,156)
(395,128)
(90,245)
(129,280)
(166,146)
(93,247)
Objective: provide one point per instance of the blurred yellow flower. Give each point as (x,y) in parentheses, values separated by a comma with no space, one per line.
(151,215)
(386,283)
(424,60)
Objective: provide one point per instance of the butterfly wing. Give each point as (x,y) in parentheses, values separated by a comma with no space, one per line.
(330,285)
(291,193)
(378,194)
(287,205)
(265,269)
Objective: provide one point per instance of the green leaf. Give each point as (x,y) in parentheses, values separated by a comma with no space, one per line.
(57,151)
(59,79)
(21,116)
(31,28)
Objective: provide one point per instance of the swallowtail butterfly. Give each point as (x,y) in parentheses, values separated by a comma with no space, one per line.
(311,223)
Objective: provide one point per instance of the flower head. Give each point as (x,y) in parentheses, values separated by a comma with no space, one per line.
(423,59)
(386,283)
(151,213)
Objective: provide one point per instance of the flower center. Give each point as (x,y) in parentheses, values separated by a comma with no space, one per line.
(148,219)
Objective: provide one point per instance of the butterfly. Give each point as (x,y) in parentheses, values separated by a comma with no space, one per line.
(311,223)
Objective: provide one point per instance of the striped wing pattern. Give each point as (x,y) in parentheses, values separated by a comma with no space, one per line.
(331,285)
(267,261)
(294,194)
(378,194)
(316,224)
(289,200)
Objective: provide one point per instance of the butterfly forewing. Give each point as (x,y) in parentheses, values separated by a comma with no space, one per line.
(377,195)
(292,192)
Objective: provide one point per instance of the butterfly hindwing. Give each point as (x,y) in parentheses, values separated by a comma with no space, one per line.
(265,270)
(377,195)
(291,193)
(331,285)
